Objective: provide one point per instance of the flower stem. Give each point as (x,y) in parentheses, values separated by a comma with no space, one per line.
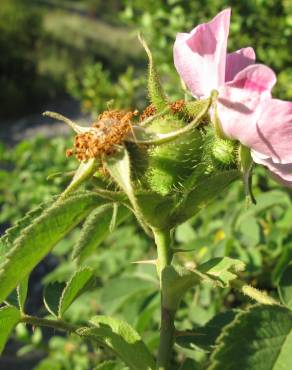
(167,329)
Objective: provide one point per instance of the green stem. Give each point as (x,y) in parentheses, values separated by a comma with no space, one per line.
(55,324)
(167,329)
(164,252)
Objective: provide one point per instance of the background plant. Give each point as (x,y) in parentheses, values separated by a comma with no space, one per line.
(263,243)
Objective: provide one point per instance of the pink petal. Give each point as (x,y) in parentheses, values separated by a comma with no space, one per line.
(237,61)
(273,137)
(282,172)
(238,111)
(200,56)
(239,102)
(255,77)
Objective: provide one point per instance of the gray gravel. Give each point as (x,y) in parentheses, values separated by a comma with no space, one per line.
(11,132)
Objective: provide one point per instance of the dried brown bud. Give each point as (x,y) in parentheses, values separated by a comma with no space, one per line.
(177,106)
(109,130)
(69,153)
(148,112)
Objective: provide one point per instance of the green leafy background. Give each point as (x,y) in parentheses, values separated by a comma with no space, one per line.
(260,236)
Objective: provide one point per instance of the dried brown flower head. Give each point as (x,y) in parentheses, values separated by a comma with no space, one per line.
(177,106)
(109,130)
(148,112)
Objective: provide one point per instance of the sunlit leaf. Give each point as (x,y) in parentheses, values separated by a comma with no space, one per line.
(223,269)
(95,229)
(9,317)
(79,283)
(122,339)
(35,241)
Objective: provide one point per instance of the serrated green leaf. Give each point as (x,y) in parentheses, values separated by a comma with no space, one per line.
(122,339)
(35,241)
(14,231)
(4,247)
(9,317)
(204,337)
(52,294)
(78,284)
(257,339)
(95,229)
(224,269)
(285,287)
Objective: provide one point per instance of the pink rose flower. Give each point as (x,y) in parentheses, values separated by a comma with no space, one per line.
(246,110)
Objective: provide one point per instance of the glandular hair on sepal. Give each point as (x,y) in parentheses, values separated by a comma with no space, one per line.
(219,153)
(170,164)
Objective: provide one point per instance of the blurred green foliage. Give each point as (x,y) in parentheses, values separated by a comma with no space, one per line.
(20,34)
(24,171)
(96,91)
(260,235)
